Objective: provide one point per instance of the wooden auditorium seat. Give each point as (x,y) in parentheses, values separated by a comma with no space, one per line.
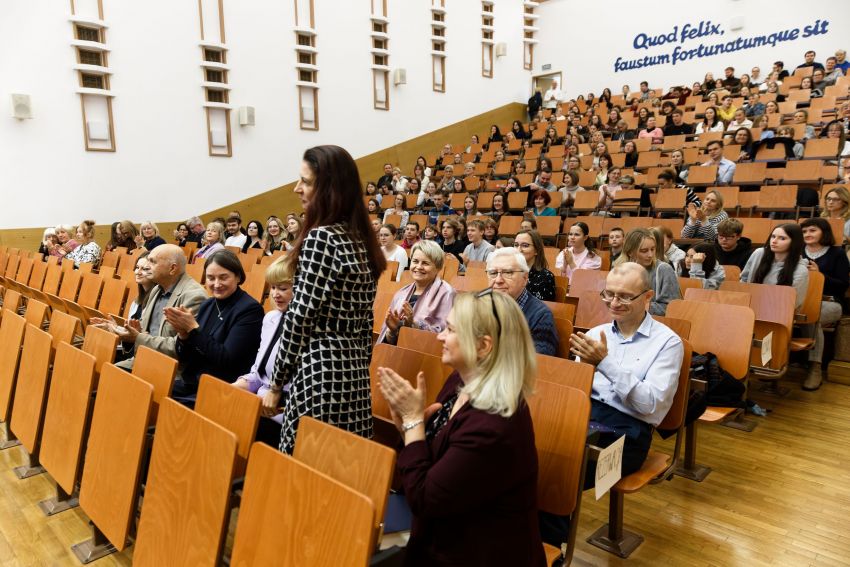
(65,424)
(362,465)
(234,409)
(109,487)
(12,328)
(560,414)
(30,395)
(190,477)
(327,523)
(726,331)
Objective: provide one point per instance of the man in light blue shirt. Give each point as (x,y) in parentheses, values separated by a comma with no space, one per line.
(637,362)
(725,167)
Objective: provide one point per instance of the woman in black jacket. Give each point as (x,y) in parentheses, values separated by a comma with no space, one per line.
(224,337)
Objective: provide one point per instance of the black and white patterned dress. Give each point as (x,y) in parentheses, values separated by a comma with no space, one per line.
(326,343)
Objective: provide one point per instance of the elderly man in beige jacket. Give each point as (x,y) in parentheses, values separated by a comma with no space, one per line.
(174,288)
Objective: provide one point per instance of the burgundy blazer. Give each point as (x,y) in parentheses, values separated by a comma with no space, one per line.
(473,490)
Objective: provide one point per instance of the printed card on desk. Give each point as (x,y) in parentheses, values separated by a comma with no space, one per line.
(609,467)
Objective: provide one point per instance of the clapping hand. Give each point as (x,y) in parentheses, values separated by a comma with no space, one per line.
(181,319)
(587,349)
(400,317)
(407,405)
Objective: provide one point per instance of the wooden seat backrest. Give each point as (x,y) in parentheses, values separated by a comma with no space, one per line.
(583,280)
(679,326)
(560,415)
(591,311)
(92,284)
(190,476)
(12,267)
(771,303)
(702,175)
(327,522)
(39,271)
(561,310)
(360,464)
(733,273)
(113,296)
(158,370)
(66,417)
(36,312)
(510,225)
(725,330)
(235,409)
(408,364)
(28,409)
(101,344)
(586,200)
(383,299)
(63,327)
(24,271)
(52,279)
(471,281)
(12,300)
(676,414)
(70,285)
(564,327)
(420,341)
(110,482)
(670,200)
(814,296)
(689,283)
(578,375)
(12,328)
(718,296)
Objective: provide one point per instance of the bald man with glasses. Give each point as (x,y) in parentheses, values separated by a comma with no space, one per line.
(637,362)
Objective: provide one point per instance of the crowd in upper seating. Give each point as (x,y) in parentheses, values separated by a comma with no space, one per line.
(544,161)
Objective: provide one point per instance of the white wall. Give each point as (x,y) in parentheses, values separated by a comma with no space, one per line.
(586,52)
(161,169)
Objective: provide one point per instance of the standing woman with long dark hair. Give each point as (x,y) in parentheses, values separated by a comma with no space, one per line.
(326,334)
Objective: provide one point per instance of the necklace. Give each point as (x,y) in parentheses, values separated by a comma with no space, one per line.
(220,318)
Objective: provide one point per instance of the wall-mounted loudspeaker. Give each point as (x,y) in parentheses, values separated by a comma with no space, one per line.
(400,77)
(501,49)
(246,115)
(21,106)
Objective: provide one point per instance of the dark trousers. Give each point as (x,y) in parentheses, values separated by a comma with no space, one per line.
(554,529)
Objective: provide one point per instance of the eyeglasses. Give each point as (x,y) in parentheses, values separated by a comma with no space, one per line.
(506,274)
(609,297)
(832,199)
(523,245)
(485,293)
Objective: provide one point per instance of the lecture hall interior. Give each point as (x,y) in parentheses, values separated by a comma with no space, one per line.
(574,134)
